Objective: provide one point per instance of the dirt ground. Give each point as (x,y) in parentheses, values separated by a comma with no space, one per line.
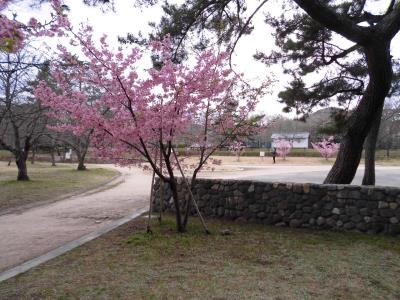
(231,164)
(279,160)
(252,160)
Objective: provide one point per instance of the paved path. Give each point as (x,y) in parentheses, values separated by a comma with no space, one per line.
(29,234)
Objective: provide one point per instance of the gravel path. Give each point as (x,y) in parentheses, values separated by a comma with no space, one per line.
(40,229)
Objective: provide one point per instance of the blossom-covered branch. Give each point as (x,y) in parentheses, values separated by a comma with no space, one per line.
(14,33)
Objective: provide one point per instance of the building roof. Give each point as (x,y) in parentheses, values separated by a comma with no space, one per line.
(291,135)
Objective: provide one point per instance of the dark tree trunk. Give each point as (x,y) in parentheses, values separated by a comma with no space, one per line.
(388,152)
(174,189)
(380,78)
(370,148)
(81,166)
(81,162)
(188,206)
(53,158)
(189,203)
(22,169)
(187,212)
(161,200)
(33,156)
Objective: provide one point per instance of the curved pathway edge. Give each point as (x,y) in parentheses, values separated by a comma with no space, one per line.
(22,208)
(67,247)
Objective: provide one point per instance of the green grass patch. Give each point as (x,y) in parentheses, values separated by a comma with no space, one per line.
(254,262)
(47,183)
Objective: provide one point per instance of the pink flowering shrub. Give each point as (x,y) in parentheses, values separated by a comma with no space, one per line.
(237,148)
(327,148)
(283,147)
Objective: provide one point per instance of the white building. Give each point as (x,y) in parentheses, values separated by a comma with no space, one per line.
(299,139)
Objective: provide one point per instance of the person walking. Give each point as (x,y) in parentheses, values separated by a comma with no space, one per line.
(273,154)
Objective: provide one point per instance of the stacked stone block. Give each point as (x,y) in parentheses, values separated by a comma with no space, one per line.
(338,207)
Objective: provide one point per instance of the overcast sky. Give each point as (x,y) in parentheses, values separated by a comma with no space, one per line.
(127,18)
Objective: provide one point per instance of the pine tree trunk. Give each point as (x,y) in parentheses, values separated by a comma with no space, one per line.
(370,148)
(22,169)
(380,78)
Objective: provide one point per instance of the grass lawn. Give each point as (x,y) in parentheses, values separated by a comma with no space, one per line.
(254,262)
(46,182)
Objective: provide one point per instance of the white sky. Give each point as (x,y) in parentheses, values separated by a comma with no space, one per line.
(127,18)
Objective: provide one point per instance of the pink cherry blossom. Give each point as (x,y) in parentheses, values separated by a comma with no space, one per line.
(14,33)
(283,147)
(140,115)
(327,148)
(237,147)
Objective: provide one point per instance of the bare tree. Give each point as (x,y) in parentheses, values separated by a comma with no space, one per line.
(388,137)
(78,143)
(21,117)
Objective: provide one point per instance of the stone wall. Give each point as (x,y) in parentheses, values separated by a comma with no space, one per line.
(337,207)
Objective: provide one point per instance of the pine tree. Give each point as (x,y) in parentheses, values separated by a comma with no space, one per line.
(310,35)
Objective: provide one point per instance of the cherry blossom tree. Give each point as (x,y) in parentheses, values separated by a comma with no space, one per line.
(217,125)
(237,148)
(61,130)
(140,114)
(13,33)
(327,148)
(283,147)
